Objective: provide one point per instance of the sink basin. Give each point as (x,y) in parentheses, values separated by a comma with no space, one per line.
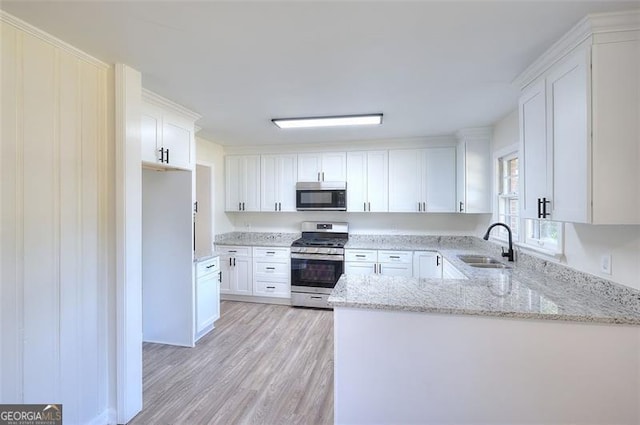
(478,259)
(495,265)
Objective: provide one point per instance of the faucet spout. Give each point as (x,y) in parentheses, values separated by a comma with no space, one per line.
(508,254)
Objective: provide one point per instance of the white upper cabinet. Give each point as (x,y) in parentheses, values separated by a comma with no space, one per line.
(328,166)
(534,150)
(242,183)
(167,133)
(279,174)
(367,181)
(473,169)
(422,180)
(579,126)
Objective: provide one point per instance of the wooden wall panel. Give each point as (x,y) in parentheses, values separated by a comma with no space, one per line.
(57,226)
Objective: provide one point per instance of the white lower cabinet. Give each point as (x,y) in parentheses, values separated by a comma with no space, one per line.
(272,272)
(235,264)
(427,264)
(386,263)
(207,295)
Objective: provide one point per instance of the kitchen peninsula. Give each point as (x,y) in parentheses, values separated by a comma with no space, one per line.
(534,343)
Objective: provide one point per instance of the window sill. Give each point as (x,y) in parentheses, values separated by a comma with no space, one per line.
(532,250)
(540,252)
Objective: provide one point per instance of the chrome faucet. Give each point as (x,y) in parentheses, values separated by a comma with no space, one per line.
(508,254)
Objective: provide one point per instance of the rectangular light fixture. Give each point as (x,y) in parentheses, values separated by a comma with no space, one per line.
(342,120)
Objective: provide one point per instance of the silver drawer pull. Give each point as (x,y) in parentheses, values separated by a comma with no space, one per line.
(212,265)
(270,268)
(271,252)
(231,250)
(360,255)
(271,287)
(394,256)
(315,298)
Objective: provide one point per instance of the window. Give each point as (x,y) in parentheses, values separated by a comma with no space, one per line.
(508,204)
(540,235)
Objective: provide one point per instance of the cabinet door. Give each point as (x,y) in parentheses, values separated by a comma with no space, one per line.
(226,267)
(427,264)
(533,149)
(269,188)
(234,181)
(309,167)
(404,183)
(150,127)
(461,177)
(477,176)
(334,167)
(377,181)
(287,178)
(206,309)
(243,284)
(568,107)
(357,181)
(440,179)
(359,269)
(392,269)
(177,141)
(251,183)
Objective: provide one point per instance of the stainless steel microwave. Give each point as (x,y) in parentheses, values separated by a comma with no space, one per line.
(321,196)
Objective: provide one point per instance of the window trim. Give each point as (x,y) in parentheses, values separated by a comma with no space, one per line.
(555,254)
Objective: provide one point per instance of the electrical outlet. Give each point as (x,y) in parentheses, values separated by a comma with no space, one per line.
(605,264)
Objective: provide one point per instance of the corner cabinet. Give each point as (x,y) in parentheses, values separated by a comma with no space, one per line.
(579,127)
(242,183)
(422,180)
(427,264)
(167,133)
(235,264)
(473,168)
(278,176)
(367,181)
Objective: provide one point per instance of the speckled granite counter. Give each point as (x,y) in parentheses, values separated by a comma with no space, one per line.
(524,291)
(257,239)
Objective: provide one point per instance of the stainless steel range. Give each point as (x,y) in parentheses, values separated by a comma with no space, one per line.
(317,262)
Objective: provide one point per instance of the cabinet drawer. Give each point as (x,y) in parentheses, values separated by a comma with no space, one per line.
(266,288)
(271,252)
(234,251)
(395,257)
(268,267)
(208,266)
(367,256)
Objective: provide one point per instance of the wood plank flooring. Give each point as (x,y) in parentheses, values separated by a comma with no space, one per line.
(263,364)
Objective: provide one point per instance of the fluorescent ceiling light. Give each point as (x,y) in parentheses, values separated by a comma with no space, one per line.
(369,119)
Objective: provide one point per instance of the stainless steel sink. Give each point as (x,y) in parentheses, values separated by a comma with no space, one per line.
(478,259)
(481,261)
(490,265)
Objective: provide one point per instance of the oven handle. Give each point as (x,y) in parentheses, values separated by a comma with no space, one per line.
(328,257)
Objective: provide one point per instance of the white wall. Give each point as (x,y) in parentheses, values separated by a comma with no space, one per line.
(57,220)
(365,223)
(584,245)
(212,154)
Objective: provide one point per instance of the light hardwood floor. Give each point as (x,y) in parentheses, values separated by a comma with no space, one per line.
(263,364)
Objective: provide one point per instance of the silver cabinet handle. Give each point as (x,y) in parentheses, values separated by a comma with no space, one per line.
(315,298)
(243,206)
(461,206)
(424,207)
(318,176)
(323,176)
(369,203)
(239,206)
(271,287)
(208,267)
(437,260)
(379,268)
(271,252)
(419,207)
(275,206)
(364,206)
(394,256)
(270,268)
(279,206)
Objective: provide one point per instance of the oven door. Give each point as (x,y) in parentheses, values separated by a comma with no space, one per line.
(316,270)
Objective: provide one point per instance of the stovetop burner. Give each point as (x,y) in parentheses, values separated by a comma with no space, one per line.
(328,242)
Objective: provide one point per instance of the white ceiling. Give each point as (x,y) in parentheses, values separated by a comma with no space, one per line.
(431,67)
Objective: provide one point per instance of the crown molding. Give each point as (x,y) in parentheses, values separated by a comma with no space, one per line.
(596,23)
(163,102)
(44,36)
(474,133)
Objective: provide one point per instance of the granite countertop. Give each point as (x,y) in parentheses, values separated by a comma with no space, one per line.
(257,239)
(523,291)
